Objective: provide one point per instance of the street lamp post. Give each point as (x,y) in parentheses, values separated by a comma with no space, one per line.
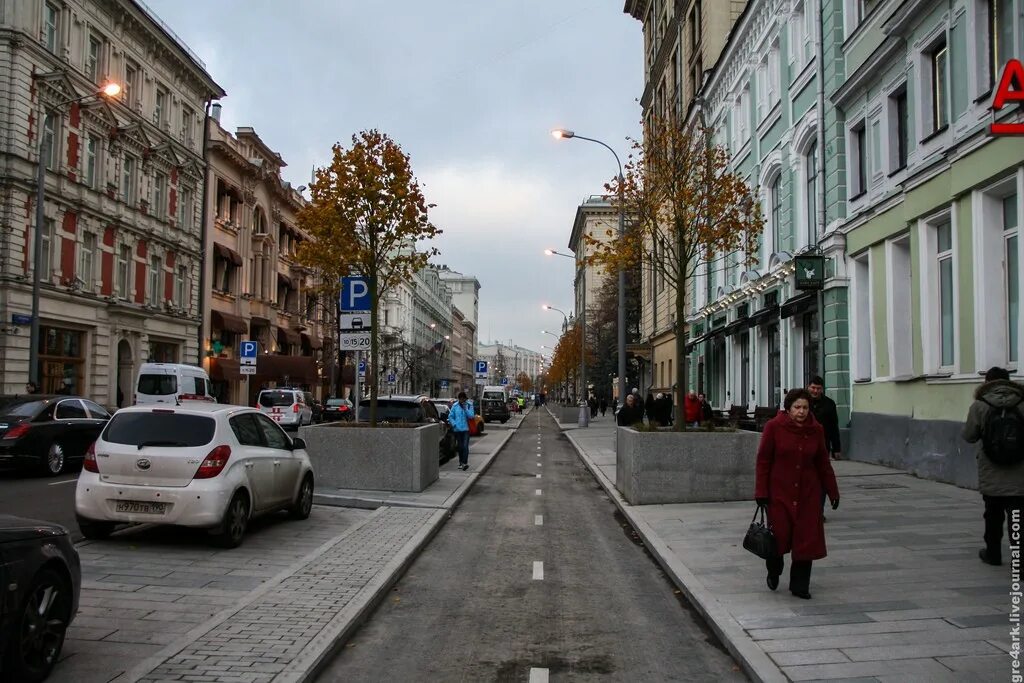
(568,134)
(584,420)
(109,90)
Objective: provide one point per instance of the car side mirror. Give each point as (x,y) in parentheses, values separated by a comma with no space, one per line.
(298,444)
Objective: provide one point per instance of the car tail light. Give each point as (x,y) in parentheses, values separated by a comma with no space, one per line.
(295,407)
(18,431)
(90,464)
(214,463)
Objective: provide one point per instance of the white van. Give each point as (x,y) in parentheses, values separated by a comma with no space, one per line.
(172,383)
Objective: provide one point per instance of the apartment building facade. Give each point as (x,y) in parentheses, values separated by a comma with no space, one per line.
(257,289)
(121,239)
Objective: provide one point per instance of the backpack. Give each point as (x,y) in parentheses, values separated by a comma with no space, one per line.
(1002,435)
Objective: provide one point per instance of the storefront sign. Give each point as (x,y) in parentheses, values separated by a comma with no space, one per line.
(810,272)
(1009,91)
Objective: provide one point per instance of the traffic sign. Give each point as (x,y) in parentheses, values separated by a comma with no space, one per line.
(480,381)
(481,369)
(21,319)
(247,369)
(354,341)
(247,351)
(444,384)
(362,368)
(355,321)
(355,294)
(504,381)
(391,378)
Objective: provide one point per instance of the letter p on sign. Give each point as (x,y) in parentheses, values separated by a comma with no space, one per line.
(355,294)
(1010,90)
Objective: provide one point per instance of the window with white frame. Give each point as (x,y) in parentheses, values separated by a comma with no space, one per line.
(90,161)
(50,141)
(185,209)
(767,78)
(1011,276)
(947,323)
(864,8)
(86,261)
(898,291)
(811,192)
(160,107)
(1001,45)
(862,361)
(159,196)
(180,278)
(51,26)
(130,87)
(876,147)
(188,126)
(858,159)
(938,287)
(796,38)
(775,214)
(94,59)
(128,179)
(744,116)
(935,100)
(124,259)
(898,125)
(46,249)
(155,277)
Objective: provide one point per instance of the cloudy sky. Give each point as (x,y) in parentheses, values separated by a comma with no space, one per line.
(470,89)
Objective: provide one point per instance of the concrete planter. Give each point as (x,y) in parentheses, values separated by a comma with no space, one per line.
(569,414)
(381,459)
(685,467)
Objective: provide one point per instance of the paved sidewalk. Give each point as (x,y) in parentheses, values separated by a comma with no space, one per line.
(901,596)
(160,604)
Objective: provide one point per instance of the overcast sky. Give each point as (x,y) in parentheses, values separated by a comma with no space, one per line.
(470,89)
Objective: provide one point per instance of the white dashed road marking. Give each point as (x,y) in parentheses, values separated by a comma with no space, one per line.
(538,676)
(538,520)
(538,571)
(538,476)
(538,492)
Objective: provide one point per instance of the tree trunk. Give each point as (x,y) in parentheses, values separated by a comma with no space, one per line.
(374,350)
(681,377)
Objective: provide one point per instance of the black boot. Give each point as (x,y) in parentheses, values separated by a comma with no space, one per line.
(800,579)
(774,565)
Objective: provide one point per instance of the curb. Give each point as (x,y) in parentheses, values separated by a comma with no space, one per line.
(755,662)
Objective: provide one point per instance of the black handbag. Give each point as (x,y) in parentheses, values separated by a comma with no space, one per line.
(759,539)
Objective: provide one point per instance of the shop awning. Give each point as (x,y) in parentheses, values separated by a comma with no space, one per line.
(736,326)
(799,304)
(286,369)
(314,342)
(765,316)
(228,322)
(285,280)
(227,253)
(224,370)
(257,321)
(291,336)
(696,340)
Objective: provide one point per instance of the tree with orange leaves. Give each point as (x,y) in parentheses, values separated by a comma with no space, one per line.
(688,205)
(366,216)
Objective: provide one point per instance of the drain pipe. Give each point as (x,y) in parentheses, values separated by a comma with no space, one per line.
(200,351)
(820,188)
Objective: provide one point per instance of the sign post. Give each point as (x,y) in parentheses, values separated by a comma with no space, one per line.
(356,326)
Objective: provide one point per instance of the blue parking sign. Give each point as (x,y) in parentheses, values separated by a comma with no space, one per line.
(248,349)
(355,294)
(504,381)
(481,367)
(444,384)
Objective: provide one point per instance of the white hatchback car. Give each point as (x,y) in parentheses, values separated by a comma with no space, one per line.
(286,407)
(197,465)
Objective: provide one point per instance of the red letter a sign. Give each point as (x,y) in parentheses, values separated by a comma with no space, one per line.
(1011,89)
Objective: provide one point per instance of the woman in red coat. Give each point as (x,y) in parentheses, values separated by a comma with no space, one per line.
(793,468)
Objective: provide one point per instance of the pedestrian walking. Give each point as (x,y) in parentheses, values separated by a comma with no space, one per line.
(592,403)
(649,411)
(603,405)
(630,413)
(824,410)
(458,417)
(793,467)
(615,404)
(996,418)
(691,409)
(707,413)
(31,388)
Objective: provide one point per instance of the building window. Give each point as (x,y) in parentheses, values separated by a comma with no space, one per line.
(124,259)
(86,259)
(163,352)
(131,82)
(185,209)
(858,160)
(91,153)
(61,360)
(160,108)
(128,179)
(944,257)
(51,26)
(188,124)
(938,68)
(695,26)
(93,66)
(46,249)
(155,276)
(861,352)
(865,7)
(1000,36)
(899,308)
(811,193)
(159,203)
(811,345)
(898,133)
(775,201)
(180,278)
(50,141)
(1012,277)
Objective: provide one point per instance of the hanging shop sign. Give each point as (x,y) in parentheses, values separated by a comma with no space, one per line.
(810,272)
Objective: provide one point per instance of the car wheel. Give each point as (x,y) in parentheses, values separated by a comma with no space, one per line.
(303,504)
(236,519)
(39,628)
(55,459)
(95,531)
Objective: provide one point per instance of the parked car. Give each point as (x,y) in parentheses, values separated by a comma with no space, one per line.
(338,409)
(286,407)
(412,410)
(172,383)
(443,405)
(199,465)
(494,404)
(42,578)
(48,433)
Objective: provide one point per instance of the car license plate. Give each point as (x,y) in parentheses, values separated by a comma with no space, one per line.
(133,506)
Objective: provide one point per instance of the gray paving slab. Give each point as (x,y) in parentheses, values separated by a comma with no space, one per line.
(900,589)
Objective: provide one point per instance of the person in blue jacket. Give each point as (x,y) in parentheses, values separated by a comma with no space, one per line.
(459,417)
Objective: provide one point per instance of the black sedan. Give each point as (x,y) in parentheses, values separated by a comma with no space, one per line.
(48,432)
(337,409)
(42,578)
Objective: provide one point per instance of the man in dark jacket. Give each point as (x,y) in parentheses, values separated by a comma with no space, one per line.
(630,413)
(824,410)
(1001,485)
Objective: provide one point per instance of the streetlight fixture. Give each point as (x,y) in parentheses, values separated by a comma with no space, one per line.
(111,89)
(565,319)
(583,327)
(563,134)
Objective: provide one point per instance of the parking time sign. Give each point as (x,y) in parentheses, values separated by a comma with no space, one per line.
(355,294)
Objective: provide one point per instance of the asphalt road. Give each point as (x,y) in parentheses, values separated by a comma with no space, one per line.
(48,498)
(534,578)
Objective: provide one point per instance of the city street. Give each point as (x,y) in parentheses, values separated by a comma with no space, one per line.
(533,575)
(27,494)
